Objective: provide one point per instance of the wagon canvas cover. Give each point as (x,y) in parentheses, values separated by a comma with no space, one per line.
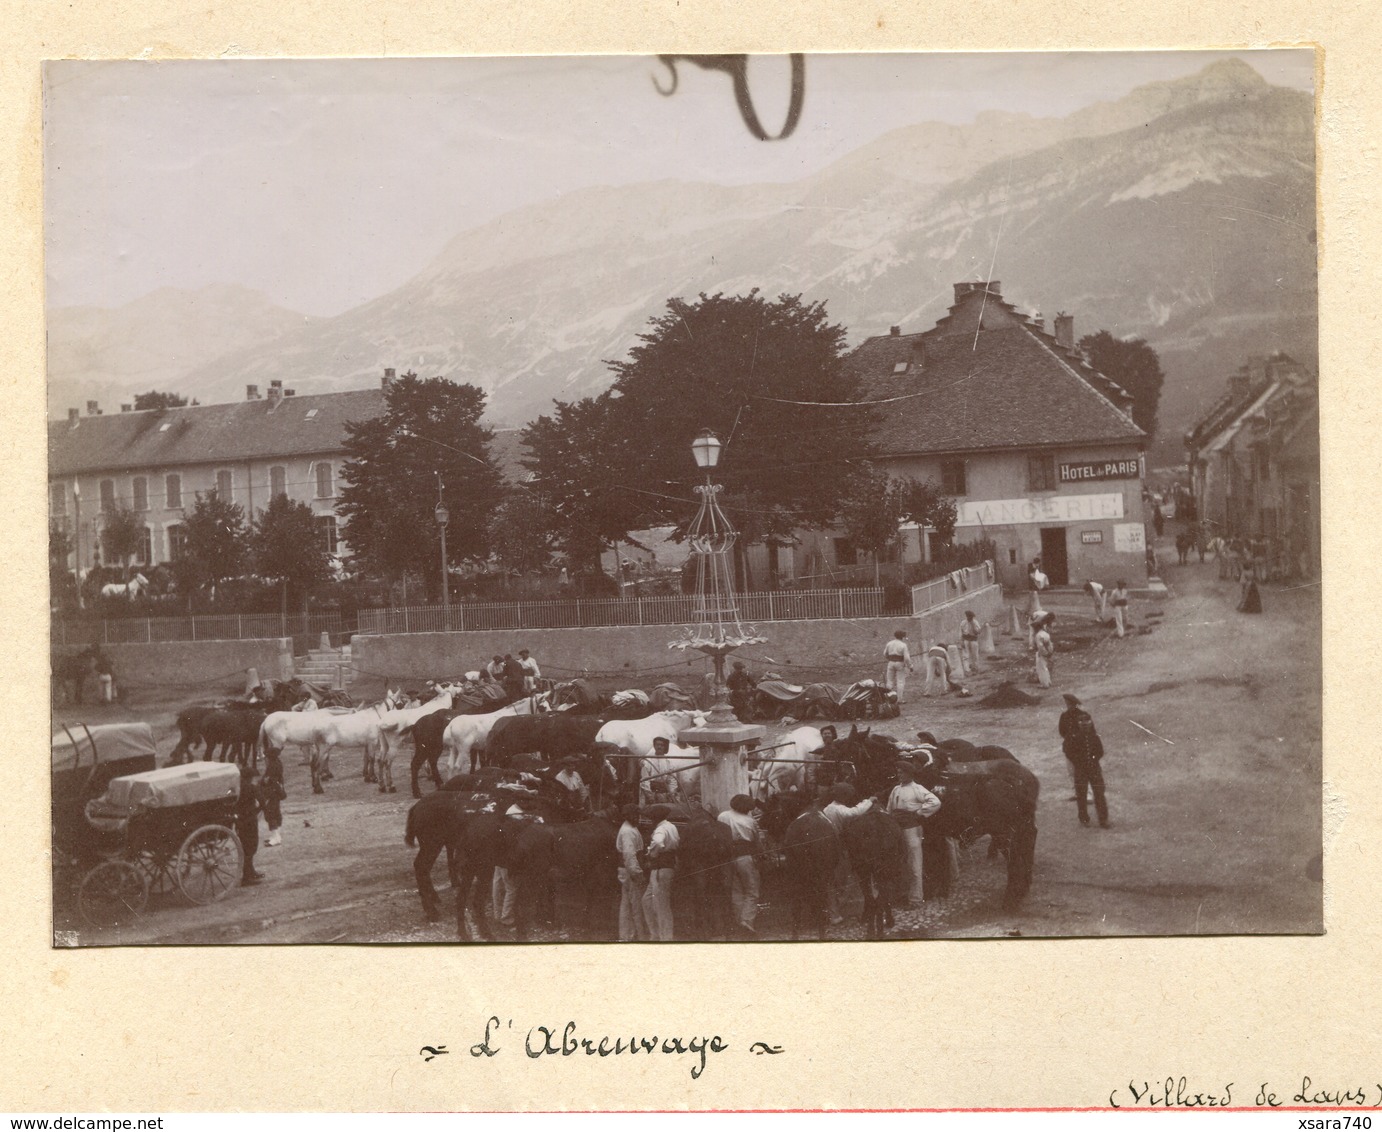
(114,742)
(174,786)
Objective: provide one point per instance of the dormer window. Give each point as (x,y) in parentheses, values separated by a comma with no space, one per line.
(900,367)
(311,414)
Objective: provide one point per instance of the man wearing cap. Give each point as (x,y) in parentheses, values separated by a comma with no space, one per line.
(658,772)
(1084,749)
(569,778)
(662,870)
(743,877)
(898,663)
(969,640)
(628,843)
(531,673)
(838,812)
(910,803)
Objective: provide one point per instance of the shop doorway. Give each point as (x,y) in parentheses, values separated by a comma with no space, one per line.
(1053,561)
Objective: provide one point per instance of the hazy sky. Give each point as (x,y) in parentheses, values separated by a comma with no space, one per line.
(327,183)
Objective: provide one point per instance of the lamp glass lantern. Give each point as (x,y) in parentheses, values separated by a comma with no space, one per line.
(706,449)
(442,514)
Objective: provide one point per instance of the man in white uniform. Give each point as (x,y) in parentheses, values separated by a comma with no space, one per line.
(743,877)
(899,663)
(628,843)
(909,803)
(531,673)
(662,870)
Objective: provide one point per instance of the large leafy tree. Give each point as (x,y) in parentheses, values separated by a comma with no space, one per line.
(520,532)
(156,400)
(430,428)
(768,378)
(876,505)
(286,545)
(576,460)
(1135,366)
(215,542)
(122,535)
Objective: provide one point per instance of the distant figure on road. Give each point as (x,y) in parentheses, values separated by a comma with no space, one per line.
(1036,582)
(938,669)
(969,640)
(1084,749)
(1043,650)
(1158,520)
(1120,606)
(1249,599)
(898,662)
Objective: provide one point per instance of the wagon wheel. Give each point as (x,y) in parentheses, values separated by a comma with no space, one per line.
(159,867)
(208,864)
(112,893)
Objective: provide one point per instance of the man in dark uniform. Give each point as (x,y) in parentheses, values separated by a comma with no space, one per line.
(1084,749)
(247,824)
(513,677)
(740,685)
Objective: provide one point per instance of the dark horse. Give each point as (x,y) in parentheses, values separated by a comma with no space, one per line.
(984,791)
(878,856)
(811,849)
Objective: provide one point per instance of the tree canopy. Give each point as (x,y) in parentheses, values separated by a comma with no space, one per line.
(876,505)
(1135,366)
(767,377)
(286,545)
(122,535)
(156,400)
(429,428)
(214,542)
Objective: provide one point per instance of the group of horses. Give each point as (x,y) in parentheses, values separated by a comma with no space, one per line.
(985,792)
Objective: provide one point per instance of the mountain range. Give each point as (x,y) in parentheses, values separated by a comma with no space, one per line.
(1182,213)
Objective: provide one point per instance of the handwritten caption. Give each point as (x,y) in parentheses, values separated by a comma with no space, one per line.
(569,1041)
(1180,1092)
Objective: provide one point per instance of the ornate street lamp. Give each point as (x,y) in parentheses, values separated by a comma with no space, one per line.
(717,630)
(443,517)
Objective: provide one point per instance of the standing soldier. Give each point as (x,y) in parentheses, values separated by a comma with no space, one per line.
(898,663)
(743,877)
(910,803)
(628,843)
(531,672)
(513,677)
(247,824)
(1084,749)
(969,640)
(662,871)
(1044,649)
(1120,606)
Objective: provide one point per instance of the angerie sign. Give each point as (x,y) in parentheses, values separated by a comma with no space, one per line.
(1130,469)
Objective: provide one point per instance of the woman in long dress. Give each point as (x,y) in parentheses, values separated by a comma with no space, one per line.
(1250,599)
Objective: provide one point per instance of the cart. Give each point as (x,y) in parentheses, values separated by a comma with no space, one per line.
(123,830)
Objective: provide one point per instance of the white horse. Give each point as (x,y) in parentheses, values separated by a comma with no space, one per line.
(770,777)
(130,589)
(637,735)
(363,728)
(466,732)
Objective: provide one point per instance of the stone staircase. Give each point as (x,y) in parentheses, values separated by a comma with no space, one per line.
(321,665)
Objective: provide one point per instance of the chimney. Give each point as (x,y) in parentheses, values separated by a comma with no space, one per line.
(93,409)
(1240,384)
(894,331)
(251,393)
(275,392)
(1065,330)
(388,377)
(1038,321)
(290,393)
(73,416)
(127,408)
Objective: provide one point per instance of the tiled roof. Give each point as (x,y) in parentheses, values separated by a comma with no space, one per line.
(1012,387)
(200,434)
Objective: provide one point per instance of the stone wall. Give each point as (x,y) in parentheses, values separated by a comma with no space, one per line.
(642,650)
(168,663)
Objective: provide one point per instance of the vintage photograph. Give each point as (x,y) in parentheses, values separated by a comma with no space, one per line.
(683,498)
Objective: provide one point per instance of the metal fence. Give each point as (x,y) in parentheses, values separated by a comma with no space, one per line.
(595,613)
(928,595)
(305,629)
